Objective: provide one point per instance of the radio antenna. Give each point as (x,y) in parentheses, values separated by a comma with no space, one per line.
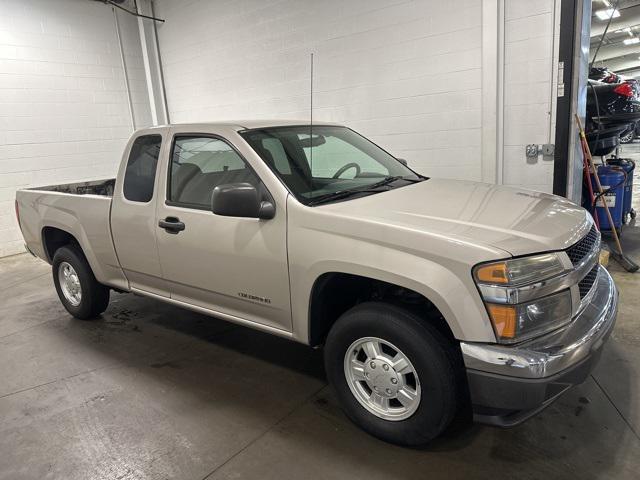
(311,120)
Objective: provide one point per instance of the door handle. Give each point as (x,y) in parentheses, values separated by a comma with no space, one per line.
(171,225)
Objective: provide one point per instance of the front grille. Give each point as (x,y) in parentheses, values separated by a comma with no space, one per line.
(587,282)
(583,247)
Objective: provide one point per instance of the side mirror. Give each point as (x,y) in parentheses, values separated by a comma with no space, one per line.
(240,200)
(402,161)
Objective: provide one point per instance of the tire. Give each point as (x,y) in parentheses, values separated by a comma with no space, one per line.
(93,298)
(435,360)
(628,138)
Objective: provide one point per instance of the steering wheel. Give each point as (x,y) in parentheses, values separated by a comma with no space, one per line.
(346,167)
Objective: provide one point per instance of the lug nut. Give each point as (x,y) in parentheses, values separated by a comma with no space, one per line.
(372,364)
(385,366)
(389,391)
(394,381)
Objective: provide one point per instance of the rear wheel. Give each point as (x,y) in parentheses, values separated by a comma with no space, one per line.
(77,287)
(396,376)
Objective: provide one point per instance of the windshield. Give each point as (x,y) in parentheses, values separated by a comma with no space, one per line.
(331,163)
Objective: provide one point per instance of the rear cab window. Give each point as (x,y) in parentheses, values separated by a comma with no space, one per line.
(140,173)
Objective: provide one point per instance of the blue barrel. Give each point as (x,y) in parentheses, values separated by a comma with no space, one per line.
(612,180)
(628,166)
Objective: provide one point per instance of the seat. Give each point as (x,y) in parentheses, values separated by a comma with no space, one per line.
(184,174)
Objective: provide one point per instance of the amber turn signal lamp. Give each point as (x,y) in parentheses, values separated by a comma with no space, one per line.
(504,319)
(492,273)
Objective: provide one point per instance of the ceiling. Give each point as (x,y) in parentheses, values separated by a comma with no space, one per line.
(614,53)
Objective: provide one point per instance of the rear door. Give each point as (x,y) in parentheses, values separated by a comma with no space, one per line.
(133,213)
(231,265)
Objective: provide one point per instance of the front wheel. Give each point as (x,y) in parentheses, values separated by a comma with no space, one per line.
(396,376)
(77,287)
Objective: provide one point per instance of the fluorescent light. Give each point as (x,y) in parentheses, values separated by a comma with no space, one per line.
(608,13)
(631,41)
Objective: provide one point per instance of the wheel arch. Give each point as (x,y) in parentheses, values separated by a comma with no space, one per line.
(335,292)
(54,238)
(62,228)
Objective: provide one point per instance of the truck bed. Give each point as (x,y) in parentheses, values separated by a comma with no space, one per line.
(92,187)
(81,209)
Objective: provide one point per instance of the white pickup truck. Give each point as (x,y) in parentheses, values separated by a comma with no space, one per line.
(431,297)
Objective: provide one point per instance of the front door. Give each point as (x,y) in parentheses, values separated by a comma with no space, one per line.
(232,265)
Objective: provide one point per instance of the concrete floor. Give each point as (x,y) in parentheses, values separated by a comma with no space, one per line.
(150,391)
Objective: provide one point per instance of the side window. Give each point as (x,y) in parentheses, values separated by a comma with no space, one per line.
(140,174)
(199,164)
(334,153)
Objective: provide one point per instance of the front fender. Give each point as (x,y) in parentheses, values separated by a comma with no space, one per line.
(445,282)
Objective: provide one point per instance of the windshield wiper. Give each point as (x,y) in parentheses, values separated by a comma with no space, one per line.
(388,180)
(416,180)
(373,188)
(340,194)
(385,181)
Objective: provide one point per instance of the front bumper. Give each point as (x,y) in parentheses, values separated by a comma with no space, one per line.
(509,384)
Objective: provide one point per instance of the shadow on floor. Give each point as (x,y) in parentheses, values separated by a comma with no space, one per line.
(205,342)
(218,395)
(134,329)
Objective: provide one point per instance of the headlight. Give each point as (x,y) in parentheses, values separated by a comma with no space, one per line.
(515,323)
(520,271)
(514,294)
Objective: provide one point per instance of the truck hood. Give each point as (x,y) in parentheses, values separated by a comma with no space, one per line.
(514,220)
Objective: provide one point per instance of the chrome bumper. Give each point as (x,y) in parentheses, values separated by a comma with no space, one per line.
(557,351)
(510,383)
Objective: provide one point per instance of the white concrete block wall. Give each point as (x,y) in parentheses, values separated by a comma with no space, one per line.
(63,106)
(529,92)
(407,74)
(404,73)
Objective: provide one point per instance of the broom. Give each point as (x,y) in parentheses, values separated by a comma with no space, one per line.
(587,180)
(623,260)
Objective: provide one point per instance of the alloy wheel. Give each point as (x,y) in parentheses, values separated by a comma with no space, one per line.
(70,284)
(382,378)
